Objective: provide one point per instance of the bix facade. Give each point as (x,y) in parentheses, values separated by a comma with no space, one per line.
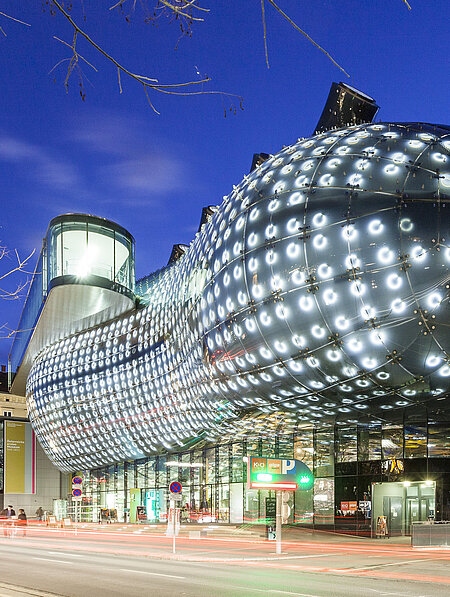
(307,320)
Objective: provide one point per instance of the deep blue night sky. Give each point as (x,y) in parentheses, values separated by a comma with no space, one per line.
(112,156)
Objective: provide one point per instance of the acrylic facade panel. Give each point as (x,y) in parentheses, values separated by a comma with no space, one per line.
(315,293)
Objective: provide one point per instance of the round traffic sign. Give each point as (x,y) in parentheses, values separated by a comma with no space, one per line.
(76,492)
(77,480)
(175,487)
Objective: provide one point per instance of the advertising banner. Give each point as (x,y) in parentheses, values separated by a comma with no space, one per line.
(19,458)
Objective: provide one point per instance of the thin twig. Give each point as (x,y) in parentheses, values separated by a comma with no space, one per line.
(407,4)
(13,19)
(265,32)
(306,35)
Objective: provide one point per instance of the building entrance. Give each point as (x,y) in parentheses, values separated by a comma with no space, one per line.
(403,503)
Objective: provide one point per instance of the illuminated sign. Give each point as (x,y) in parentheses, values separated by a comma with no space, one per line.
(275,473)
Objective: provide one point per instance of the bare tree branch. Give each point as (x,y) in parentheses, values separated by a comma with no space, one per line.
(265,32)
(146,82)
(289,20)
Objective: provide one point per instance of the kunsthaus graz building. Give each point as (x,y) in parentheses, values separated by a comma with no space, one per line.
(307,319)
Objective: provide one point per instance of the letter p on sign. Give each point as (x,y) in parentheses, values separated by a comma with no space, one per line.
(288,467)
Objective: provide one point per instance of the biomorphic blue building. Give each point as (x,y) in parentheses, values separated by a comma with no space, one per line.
(307,319)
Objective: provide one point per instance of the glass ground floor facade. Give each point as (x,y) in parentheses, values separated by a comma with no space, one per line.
(361,472)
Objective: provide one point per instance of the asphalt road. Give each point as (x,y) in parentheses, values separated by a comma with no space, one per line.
(88,566)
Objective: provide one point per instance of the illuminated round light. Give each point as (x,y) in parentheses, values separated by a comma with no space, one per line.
(313,362)
(326,180)
(275,203)
(293,250)
(439,157)
(409,392)
(415,143)
(298,277)
(308,165)
(375,227)
(342,323)
(342,150)
(352,261)
(444,180)
(254,214)
(271,231)
(281,311)
(334,355)
(242,298)
(349,371)
(329,297)
(362,383)
(265,318)
(280,346)
(406,225)
(237,272)
(265,352)
(352,140)
(253,264)
(298,341)
(357,288)
(293,225)
(319,220)
(402,402)
(355,179)
(346,388)
(444,371)
(433,361)
(306,303)
(334,163)
(377,337)
(434,300)
(287,169)
(394,281)
(324,270)
(391,169)
(418,253)
(320,241)
(349,232)
(296,366)
(271,257)
(368,312)
(399,158)
(296,199)
(370,151)
(385,255)
(369,362)
(318,331)
(362,164)
(426,136)
(383,375)
(301,181)
(252,239)
(318,151)
(398,306)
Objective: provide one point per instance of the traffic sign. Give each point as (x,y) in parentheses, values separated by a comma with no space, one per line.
(77,480)
(77,492)
(175,487)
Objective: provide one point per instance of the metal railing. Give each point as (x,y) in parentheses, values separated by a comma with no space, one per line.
(430,534)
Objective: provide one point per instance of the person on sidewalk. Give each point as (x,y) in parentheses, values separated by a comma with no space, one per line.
(22,521)
(39,513)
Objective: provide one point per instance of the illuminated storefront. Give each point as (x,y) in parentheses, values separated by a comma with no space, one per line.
(307,319)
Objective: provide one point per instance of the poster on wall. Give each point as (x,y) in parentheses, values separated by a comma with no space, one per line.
(19,458)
